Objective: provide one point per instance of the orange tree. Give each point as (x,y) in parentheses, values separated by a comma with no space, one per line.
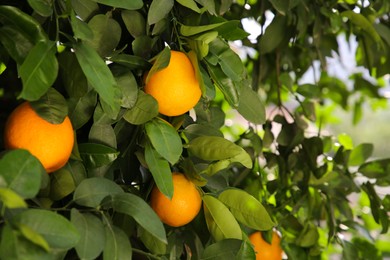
(91,60)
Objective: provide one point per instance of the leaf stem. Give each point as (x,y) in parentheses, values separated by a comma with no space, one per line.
(138,251)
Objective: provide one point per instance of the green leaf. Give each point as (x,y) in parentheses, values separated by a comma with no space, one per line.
(160,170)
(33,237)
(81,109)
(158,10)
(131,61)
(92,234)
(11,199)
(54,228)
(273,35)
(376,169)
(99,76)
(308,236)
(117,246)
(80,29)
(164,139)
(129,5)
(190,4)
(209,5)
(17,44)
(251,107)
(224,249)
(160,61)
(186,30)
(145,109)
(106,34)
(62,184)
(142,213)
(39,70)
(90,192)
(152,243)
(246,209)
(212,148)
(26,24)
(84,8)
(51,106)
(193,131)
(346,141)
(360,154)
(220,221)
(102,134)
(42,7)
(97,155)
(362,22)
(134,22)
(127,84)
(22,172)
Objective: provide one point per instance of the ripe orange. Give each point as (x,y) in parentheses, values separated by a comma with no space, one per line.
(51,143)
(183,207)
(265,251)
(175,87)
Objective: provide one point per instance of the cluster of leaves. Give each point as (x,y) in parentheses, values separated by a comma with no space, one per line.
(88,58)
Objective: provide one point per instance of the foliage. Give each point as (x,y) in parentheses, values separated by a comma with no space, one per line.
(270,170)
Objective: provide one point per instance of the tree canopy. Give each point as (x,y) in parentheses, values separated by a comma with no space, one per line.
(254,144)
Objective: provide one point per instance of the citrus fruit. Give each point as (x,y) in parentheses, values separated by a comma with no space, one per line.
(175,87)
(51,143)
(183,207)
(264,250)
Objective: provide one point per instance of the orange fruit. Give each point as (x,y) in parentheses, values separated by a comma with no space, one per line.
(264,250)
(51,143)
(175,87)
(184,206)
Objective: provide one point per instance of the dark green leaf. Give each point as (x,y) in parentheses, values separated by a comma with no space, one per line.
(92,234)
(97,155)
(164,139)
(145,109)
(102,134)
(84,8)
(127,84)
(158,10)
(51,106)
(56,229)
(17,44)
(131,61)
(151,242)
(251,107)
(196,130)
(273,35)
(81,109)
(98,75)
(92,191)
(138,209)
(129,5)
(22,172)
(212,148)
(209,5)
(308,236)
(62,184)
(224,249)
(106,34)
(160,61)
(117,244)
(39,70)
(246,209)
(42,7)
(160,170)
(220,221)
(135,22)
(81,29)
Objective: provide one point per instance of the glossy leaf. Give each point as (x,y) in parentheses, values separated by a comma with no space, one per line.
(138,209)
(38,71)
(90,192)
(160,61)
(145,109)
(54,228)
(131,61)
(81,29)
(160,169)
(84,8)
(117,244)
(22,172)
(220,221)
(92,234)
(246,209)
(158,10)
(97,155)
(129,5)
(17,50)
(164,139)
(135,22)
(81,109)
(51,106)
(98,75)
